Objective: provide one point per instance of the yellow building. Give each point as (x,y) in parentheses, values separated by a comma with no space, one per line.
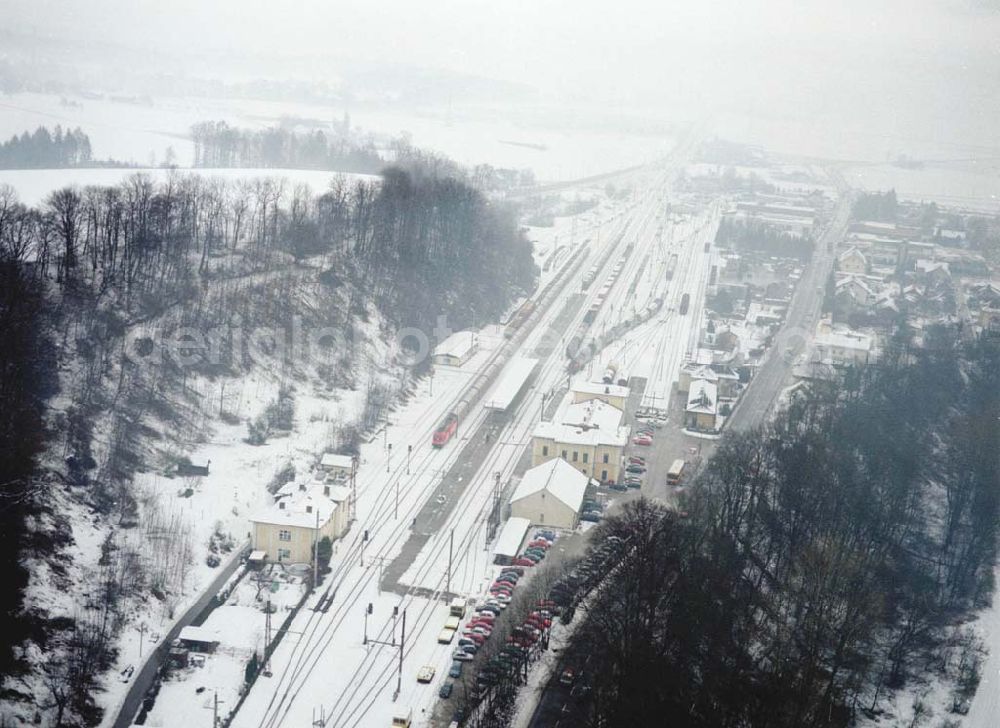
(288,530)
(590,438)
(702,405)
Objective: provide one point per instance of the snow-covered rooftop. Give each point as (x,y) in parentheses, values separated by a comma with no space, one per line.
(702,397)
(511,536)
(557,477)
(333,460)
(586,387)
(457,345)
(593,413)
(307,509)
(581,436)
(844,340)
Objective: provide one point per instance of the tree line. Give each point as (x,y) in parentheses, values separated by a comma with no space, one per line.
(826,560)
(217,144)
(761,236)
(44,149)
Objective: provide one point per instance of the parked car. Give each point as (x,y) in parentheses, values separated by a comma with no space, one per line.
(567,677)
(550,535)
(617,486)
(642,440)
(634,468)
(590,516)
(455,670)
(445,692)
(462,656)
(520,561)
(637,460)
(515,569)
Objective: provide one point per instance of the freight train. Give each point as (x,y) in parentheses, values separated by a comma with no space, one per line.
(685,301)
(579,340)
(517,328)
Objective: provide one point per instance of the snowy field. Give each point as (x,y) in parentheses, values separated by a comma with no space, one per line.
(500,137)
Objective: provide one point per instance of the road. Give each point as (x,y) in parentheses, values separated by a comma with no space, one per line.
(803,312)
(147,674)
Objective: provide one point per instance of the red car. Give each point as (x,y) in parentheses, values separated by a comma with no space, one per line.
(523,562)
(642,440)
(540,543)
(476,637)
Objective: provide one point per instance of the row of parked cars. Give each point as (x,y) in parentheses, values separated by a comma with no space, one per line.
(534,552)
(635,469)
(480,627)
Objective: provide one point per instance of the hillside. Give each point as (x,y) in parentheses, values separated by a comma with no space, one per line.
(151,325)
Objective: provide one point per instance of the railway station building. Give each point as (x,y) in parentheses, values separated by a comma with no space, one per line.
(589,437)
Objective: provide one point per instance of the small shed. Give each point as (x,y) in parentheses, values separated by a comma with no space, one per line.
(198,639)
(510,539)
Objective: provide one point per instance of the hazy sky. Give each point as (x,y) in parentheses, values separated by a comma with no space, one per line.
(624,44)
(910,69)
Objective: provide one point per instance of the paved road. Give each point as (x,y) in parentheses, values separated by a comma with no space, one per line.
(145,677)
(803,313)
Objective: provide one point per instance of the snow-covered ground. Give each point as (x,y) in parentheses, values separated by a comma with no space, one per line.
(500,137)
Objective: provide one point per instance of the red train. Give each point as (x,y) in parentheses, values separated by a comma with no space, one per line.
(445,430)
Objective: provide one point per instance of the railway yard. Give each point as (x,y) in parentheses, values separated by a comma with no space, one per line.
(432,488)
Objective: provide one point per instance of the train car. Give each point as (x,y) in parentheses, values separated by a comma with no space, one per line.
(609,373)
(621,379)
(685,301)
(592,313)
(671,266)
(445,430)
(518,319)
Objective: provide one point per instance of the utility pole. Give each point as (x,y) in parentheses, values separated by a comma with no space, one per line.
(451,542)
(364,540)
(402,644)
(354,490)
(267,638)
(142,633)
(316,552)
(395,512)
(368,610)
(388,457)
(409,449)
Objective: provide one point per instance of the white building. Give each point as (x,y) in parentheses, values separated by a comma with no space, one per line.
(842,348)
(550,494)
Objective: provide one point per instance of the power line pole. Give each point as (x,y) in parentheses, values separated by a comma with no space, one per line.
(316,552)
(402,645)
(451,542)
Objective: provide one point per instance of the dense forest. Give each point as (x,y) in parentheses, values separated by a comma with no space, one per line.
(760,236)
(96,278)
(825,561)
(43,149)
(216,144)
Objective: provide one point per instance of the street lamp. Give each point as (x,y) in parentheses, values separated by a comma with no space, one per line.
(367,612)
